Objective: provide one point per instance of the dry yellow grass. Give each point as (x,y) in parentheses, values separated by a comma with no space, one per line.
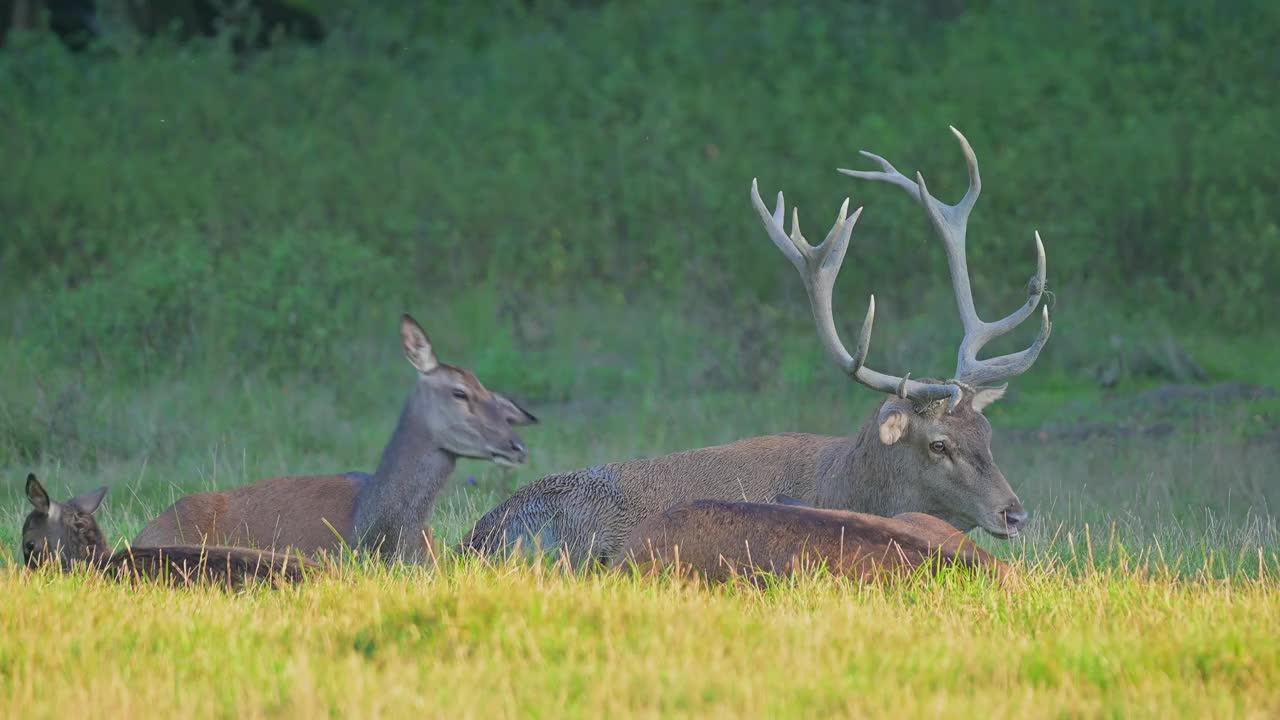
(516,641)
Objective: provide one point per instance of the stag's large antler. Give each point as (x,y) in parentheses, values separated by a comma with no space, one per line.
(819,267)
(951,222)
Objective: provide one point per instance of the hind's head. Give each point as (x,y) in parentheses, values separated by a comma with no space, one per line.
(463,416)
(66,532)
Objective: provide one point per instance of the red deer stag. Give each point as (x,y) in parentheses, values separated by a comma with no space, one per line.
(925,448)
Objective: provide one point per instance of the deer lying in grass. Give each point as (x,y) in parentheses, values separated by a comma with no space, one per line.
(719,539)
(448,415)
(68,534)
(926,448)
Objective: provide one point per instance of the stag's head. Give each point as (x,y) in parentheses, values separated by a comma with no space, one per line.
(65,533)
(934,432)
(463,416)
(941,459)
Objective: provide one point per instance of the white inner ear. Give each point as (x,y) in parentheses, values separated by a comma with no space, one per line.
(55,511)
(418,349)
(893,425)
(417,346)
(422,358)
(985,396)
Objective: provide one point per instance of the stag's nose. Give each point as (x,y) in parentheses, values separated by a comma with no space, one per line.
(1014,516)
(518,447)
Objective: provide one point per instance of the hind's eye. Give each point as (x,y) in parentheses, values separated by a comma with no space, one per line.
(938,446)
(460,393)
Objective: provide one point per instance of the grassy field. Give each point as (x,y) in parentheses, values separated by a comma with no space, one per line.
(484,642)
(1151,580)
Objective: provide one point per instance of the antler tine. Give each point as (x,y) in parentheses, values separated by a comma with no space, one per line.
(951,224)
(975,178)
(773,223)
(1035,289)
(888,174)
(998,369)
(818,268)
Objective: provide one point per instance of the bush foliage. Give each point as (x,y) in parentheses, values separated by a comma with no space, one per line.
(162,198)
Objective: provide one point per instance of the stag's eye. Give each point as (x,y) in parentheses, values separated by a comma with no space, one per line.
(938,446)
(460,393)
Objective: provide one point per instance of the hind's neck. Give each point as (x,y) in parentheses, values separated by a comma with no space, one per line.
(395,503)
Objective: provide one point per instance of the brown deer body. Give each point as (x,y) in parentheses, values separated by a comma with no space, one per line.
(720,539)
(244,516)
(68,534)
(926,448)
(449,414)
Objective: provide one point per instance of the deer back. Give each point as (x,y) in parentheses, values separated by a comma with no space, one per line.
(308,513)
(756,469)
(226,567)
(721,539)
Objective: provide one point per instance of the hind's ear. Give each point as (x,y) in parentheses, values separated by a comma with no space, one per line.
(982,397)
(515,414)
(36,494)
(88,502)
(417,346)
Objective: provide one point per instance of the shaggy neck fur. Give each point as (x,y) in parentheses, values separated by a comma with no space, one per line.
(862,472)
(393,506)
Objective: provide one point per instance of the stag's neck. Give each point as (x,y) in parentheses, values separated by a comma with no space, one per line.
(860,474)
(395,503)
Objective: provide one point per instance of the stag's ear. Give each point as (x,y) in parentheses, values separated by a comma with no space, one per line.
(36,494)
(417,346)
(982,397)
(895,415)
(88,502)
(515,414)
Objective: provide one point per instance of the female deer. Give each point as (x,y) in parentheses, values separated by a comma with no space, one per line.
(720,539)
(67,534)
(449,414)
